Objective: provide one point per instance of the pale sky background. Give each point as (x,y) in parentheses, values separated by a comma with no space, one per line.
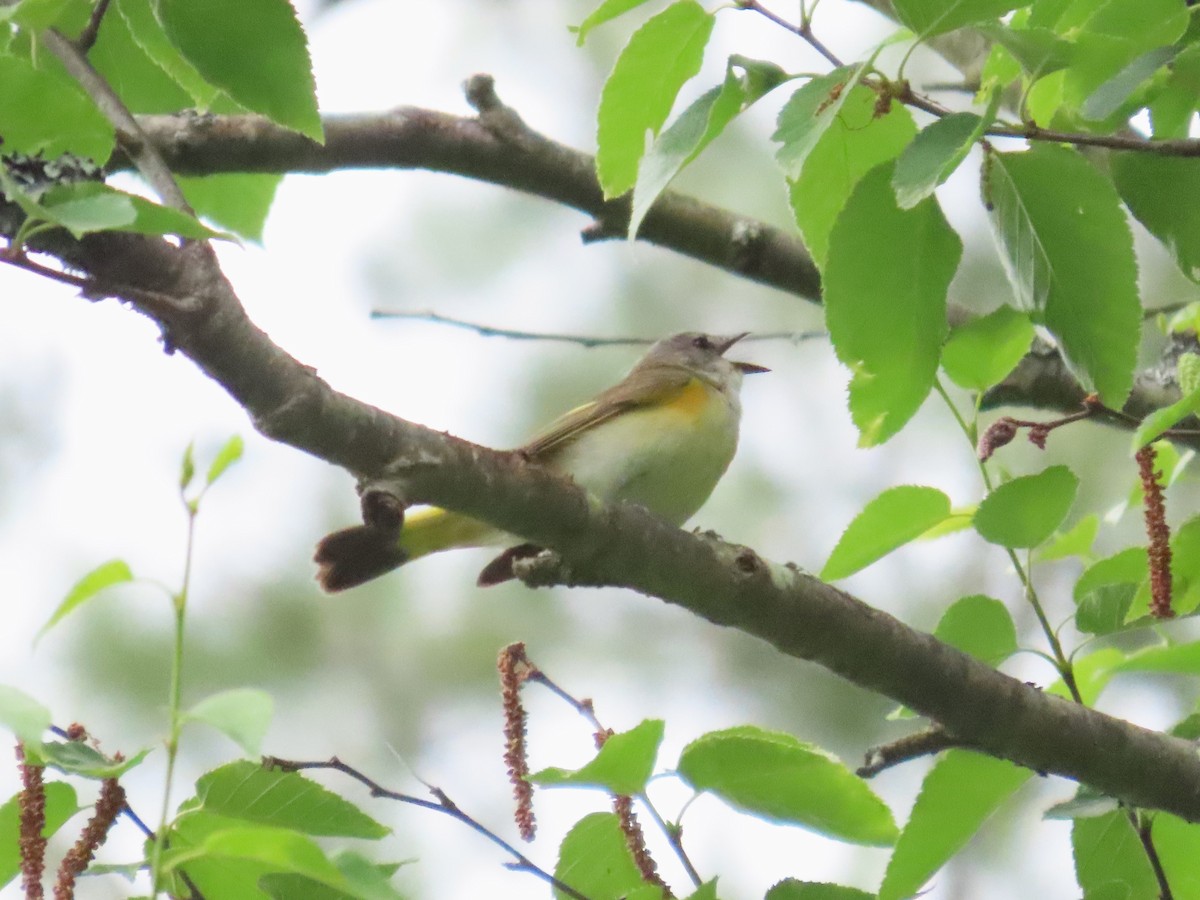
(391,678)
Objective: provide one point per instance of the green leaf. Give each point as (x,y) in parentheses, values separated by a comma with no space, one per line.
(254,50)
(89,206)
(982,351)
(245,790)
(43,110)
(1178,845)
(605,12)
(1182,659)
(230,453)
(1187,369)
(241,714)
(981,626)
(1086,804)
(279,849)
(1152,427)
(682,142)
(891,520)
(934,155)
(929,17)
(105,575)
(61,805)
(1129,566)
(1114,93)
(187,467)
(1039,51)
(594,859)
(1110,860)
(623,765)
(885,283)
(1157,190)
(1025,511)
(36,15)
(852,143)
(1185,568)
(791,889)
(1104,610)
(773,775)
(958,795)
(808,113)
(364,879)
(143,86)
(23,716)
(147,32)
(1075,542)
(77,758)
(638,96)
(238,201)
(1045,204)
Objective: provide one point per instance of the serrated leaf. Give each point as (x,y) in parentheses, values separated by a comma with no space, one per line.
(61,805)
(623,765)
(229,453)
(855,141)
(45,111)
(77,758)
(364,878)
(776,776)
(981,352)
(105,575)
(806,115)
(959,794)
(791,889)
(246,790)
(1025,511)
(594,859)
(1157,190)
(241,714)
(981,626)
(147,32)
(254,50)
(891,520)
(279,849)
(605,12)
(885,282)
(637,98)
(1110,860)
(139,81)
(22,715)
(934,155)
(929,17)
(1045,204)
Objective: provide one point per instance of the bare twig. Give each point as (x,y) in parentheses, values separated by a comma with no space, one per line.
(911,746)
(583,340)
(443,805)
(803,30)
(87,37)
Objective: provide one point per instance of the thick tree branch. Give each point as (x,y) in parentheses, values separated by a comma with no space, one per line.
(497,147)
(627,546)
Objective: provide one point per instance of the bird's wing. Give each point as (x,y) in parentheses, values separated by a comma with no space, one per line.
(643,387)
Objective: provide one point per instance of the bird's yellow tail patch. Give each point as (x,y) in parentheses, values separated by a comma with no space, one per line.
(431,529)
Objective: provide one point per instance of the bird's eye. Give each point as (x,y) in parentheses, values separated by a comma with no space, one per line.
(701,342)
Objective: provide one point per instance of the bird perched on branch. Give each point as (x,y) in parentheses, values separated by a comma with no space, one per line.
(662,438)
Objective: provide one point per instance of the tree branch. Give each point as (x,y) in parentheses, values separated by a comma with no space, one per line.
(627,546)
(496,147)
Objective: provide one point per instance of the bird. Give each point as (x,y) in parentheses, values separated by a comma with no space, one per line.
(662,437)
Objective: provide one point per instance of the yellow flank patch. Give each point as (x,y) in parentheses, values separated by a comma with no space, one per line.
(692,399)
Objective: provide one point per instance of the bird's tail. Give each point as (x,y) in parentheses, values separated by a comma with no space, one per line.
(354,556)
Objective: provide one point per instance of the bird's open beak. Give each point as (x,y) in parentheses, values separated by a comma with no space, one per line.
(743,367)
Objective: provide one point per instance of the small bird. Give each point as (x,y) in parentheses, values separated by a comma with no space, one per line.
(662,438)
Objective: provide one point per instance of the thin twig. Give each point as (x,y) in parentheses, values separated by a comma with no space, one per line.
(1142,825)
(443,805)
(802,31)
(87,37)
(911,746)
(582,340)
(145,155)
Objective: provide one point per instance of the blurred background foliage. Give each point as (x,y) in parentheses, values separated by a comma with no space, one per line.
(398,677)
